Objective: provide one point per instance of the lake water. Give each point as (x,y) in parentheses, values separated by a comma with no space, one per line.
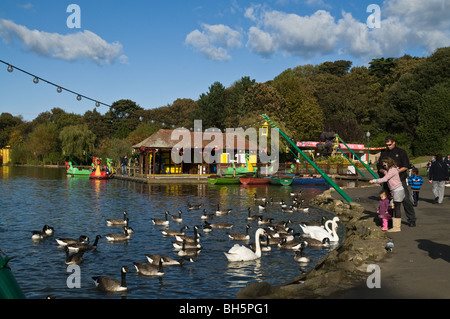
(32,197)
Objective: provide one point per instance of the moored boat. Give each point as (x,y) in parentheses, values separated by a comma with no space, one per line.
(246,180)
(223,180)
(281,180)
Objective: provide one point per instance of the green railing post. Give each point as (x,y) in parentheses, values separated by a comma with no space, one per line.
(325,176)
(368,168)
(351,162)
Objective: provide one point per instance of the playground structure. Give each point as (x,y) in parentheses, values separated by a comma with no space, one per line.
(244,170)
(98,172)
(307,159)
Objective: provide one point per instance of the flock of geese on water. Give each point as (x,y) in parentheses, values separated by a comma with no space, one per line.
(320,234)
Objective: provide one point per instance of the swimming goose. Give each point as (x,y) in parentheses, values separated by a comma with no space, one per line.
(177,245)
(188,251)
(148,269)
(206,215)
(220,212)
(42,234)
(172,232)
(239,236)
(178,218)
(117,221)
(109,284)
(119,237)
(300,256)
(84,247)
(157,221)
(315,242)
(67,241)
(262,207)
(242,253)
(206,227)
(265,245)
(189,239)
(166,260)
(264,221)
(293,245)
(74,259)
(194,207)
(320,233)
(260,199)
(250,216)
(221,225)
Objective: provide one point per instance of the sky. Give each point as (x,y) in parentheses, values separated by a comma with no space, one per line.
(154,52)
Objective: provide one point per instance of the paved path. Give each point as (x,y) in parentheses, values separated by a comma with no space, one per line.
(419,266)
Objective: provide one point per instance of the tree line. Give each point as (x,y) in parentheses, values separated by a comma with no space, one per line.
(407,97)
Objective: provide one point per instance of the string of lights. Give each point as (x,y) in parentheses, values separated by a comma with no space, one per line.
(59,88)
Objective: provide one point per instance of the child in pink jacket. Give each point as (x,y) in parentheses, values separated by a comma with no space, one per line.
(392,177)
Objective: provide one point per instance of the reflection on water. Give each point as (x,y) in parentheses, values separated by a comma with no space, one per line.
(74,206)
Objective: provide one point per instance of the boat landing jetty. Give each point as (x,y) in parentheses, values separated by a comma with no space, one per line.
(419,265)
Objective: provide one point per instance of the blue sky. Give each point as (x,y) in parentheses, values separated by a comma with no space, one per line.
(154,52)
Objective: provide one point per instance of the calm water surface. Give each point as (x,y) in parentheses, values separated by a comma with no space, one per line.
(33,197)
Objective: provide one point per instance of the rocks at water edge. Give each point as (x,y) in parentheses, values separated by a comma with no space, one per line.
(344,267)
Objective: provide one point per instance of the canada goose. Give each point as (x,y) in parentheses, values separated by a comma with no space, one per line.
(67,241)
(188,251)
(265,245)
(189,239)
(206,227)
(260,199)
(178,218)
(109,284)
(222,225)
(206,215)
(84,247)
(250,216)
(262,207)
(186,245)
(220,212)
(117,221)
(276,202)
(49,230)
(293,245)
(242,253)
(264,221)
(239,236)
(172,232)
(194,207)
(300,256)
(166,260)
(119,237)
(74,259)
(315,242)
(148,269)
(157,221)
(41,234)
(296,194)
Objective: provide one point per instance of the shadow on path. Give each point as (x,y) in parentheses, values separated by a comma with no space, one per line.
(435,250)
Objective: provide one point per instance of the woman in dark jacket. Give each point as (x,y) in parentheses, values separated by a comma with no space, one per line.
(438,175)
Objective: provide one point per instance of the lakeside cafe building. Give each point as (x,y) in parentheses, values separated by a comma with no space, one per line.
(156,152)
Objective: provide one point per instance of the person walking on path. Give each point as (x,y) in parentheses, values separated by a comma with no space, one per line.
(402,161)
(392,178)
(123,165)
(383,210)
(415,181)
(438,175)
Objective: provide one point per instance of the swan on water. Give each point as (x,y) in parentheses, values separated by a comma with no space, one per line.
(320,233)
(242,253)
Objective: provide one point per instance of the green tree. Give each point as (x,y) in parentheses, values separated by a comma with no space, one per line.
(305,114)
(211,107)
(434,117)
(7,124)
(43,141)
(76,139)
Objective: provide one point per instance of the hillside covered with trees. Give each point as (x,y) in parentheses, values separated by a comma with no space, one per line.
(407,97)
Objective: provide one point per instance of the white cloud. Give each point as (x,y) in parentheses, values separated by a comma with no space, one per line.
(70,47)
(215,41)
(405,25)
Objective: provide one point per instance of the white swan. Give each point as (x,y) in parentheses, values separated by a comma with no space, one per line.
(242,253)
(319,233)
